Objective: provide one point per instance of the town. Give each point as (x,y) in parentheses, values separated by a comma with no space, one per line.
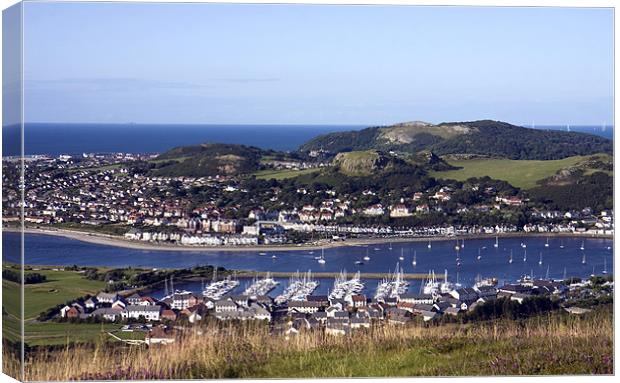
(346,309)
(110,194)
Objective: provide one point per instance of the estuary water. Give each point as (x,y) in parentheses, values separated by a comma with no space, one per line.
(562,257)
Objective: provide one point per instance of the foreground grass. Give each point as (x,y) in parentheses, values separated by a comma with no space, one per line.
(550,344)
(519,173)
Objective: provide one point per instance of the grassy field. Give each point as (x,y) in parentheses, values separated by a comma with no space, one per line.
(60,287)
(53,333)
(282,174)
(519,173)
(551,344)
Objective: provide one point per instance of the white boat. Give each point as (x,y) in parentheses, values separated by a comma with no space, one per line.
(402,257)
(485,281)
(431,286)
(321,260)
(479,257)
(390,248)
(392,287)
(583,259)
(525,256)
(510,259)
(415,261)
(261,253)
(547,243)
(523,245)
(457,247)
(561,244)
(583,245)
(605,266)
(429,244)
(366,257)
(463,244)
(445,287)
(496,244)
(540,259)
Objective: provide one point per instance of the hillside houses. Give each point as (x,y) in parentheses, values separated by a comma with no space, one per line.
(157,209)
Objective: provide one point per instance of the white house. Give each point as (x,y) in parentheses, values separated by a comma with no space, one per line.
(150,313)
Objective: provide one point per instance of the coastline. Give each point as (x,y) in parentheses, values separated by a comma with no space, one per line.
(115,241)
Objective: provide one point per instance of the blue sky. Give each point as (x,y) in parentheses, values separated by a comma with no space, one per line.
(304,64)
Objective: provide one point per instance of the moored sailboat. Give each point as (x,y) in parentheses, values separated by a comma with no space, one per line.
(540,259)
(321,260)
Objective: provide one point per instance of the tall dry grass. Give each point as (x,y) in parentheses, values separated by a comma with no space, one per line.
(229,350)
(11,361)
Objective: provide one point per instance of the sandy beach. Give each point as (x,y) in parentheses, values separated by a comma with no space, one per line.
(109,240)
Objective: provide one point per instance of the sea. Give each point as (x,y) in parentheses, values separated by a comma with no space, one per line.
(563,257)
(55,139)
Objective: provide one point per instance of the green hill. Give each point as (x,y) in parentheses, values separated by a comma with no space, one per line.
(208,160)
(360,163)
(485,137)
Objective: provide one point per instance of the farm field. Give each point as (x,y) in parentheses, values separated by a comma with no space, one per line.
(523,174)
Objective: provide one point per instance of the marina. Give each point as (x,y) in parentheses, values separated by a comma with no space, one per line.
(345,288)
(218,289)
(261,286)
(392,287)
(299,287)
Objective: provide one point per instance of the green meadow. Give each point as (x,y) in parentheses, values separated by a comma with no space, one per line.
(60,287)
(523,174)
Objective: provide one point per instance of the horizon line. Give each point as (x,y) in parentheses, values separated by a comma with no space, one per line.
(525,125)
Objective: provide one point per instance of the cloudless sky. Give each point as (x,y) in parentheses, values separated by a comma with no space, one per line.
(312,64)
